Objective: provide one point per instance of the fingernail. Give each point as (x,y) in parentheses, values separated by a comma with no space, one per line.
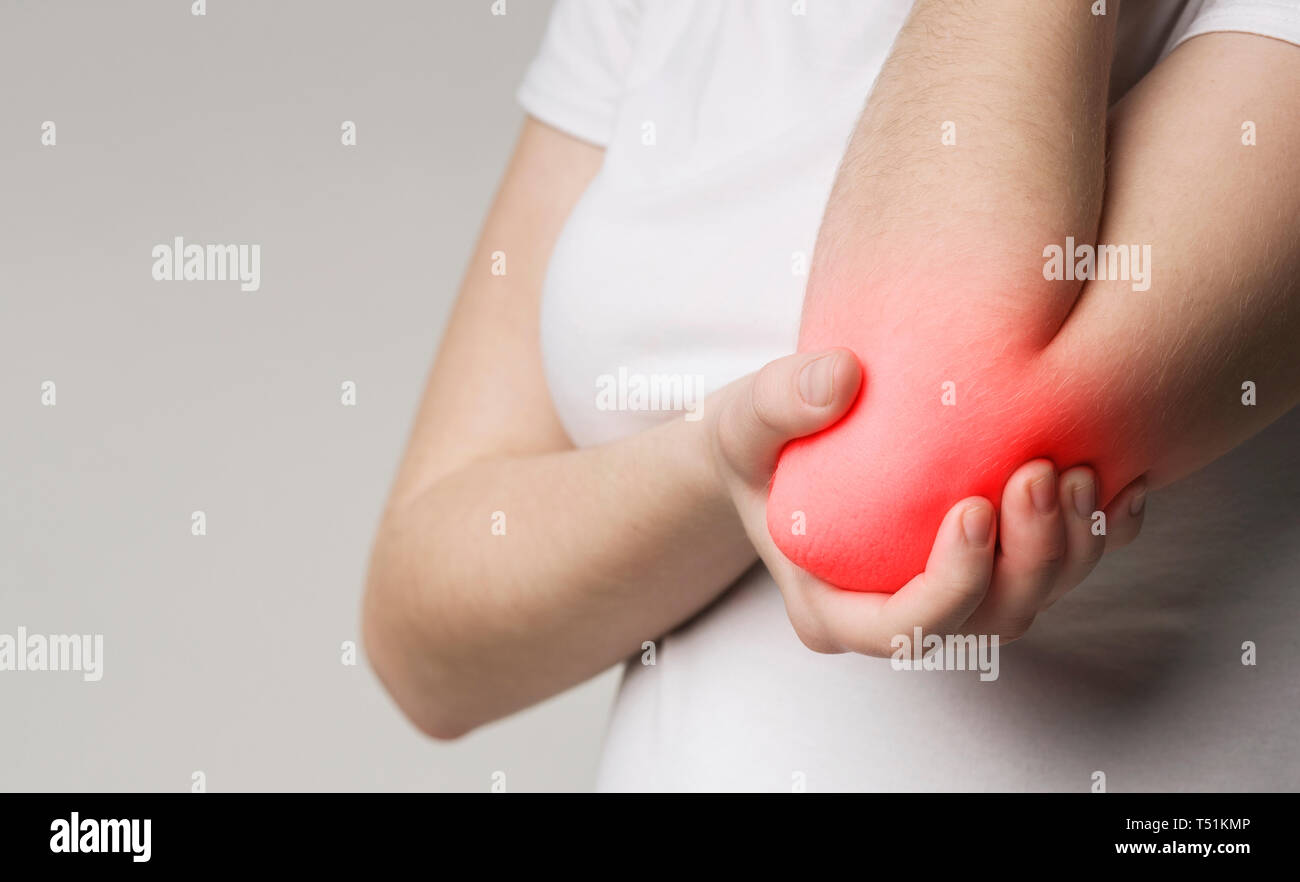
(1043,492)
(975,523)
(1139,501)
(1085,497)
(817,381)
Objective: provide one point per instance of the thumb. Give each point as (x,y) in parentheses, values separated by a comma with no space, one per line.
(787,399)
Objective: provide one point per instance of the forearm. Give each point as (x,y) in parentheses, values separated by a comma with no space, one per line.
(1222,309)
(512,579)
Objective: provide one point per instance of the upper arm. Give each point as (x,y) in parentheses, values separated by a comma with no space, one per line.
(486,394)
(1221,219)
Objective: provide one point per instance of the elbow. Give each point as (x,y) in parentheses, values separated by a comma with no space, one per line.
(408,657)
(440,728)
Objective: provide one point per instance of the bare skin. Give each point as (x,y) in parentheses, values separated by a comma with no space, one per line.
(612,545)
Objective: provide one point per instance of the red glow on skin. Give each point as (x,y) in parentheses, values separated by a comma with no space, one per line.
(874,487)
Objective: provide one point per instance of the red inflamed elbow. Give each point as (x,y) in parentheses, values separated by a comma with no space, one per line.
(961,387)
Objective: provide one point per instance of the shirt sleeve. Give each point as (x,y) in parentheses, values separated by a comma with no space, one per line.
(577,78)
(1268,18)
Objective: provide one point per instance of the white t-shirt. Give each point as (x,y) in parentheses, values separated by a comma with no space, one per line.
(723,123)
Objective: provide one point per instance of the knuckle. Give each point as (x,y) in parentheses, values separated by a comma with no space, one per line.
(813,636)
(1091,552)
(1042,563)
(764,402)
(818,645)
(877,647)
(1125,532)
(1015,627)
(955,592)
(729,436)
(1053,548)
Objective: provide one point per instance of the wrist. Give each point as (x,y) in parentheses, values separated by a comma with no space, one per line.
(694,447)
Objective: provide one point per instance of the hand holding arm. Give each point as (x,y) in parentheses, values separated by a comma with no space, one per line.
(976,362)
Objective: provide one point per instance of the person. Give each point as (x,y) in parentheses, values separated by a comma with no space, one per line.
(681,168)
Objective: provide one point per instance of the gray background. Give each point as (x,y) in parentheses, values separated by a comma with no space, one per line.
(222,652)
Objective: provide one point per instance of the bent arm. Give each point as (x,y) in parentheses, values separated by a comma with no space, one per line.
(964,226)
(602,548)
(930,265)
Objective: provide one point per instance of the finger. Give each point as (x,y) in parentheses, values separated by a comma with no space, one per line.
(789,398)
(937,601)
(1125,514)
(1085,543)
(1031,553)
